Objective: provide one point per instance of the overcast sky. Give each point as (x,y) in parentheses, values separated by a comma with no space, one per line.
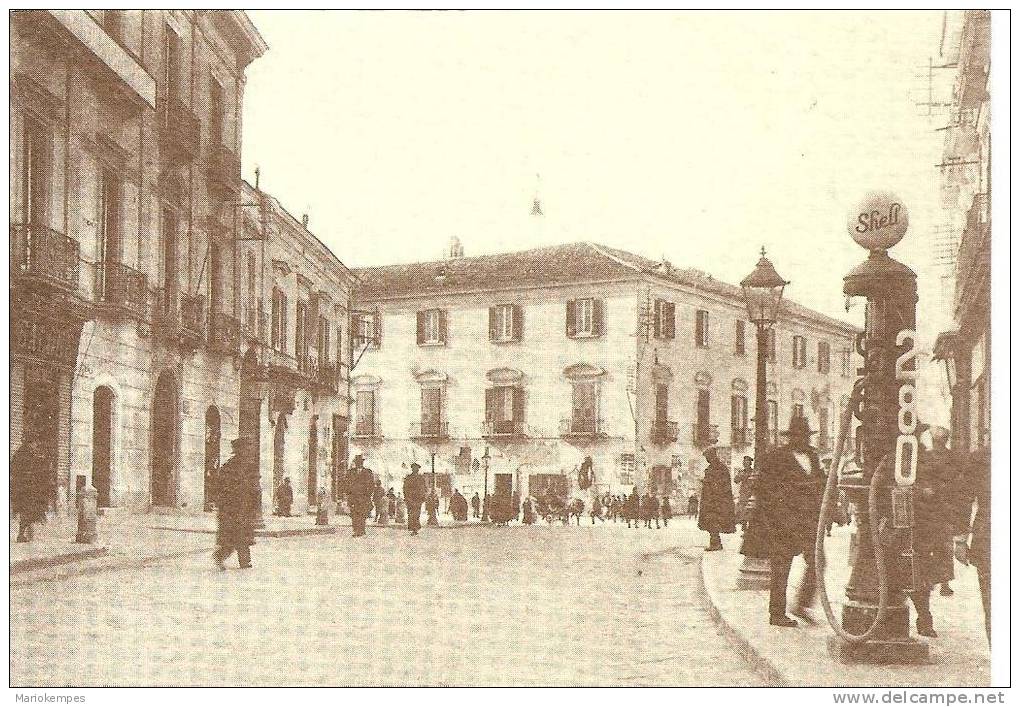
(695,136)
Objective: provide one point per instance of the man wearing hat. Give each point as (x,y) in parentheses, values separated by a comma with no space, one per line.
(359,495)
(414,496)
(238,498)
(791,486)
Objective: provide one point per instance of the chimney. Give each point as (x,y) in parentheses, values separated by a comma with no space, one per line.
(304,221)
(456,249)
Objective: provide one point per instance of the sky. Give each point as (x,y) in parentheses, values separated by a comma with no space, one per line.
(699,137)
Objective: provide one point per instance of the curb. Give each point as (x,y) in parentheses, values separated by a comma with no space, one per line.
(38,563)
(76,569)
(765,667)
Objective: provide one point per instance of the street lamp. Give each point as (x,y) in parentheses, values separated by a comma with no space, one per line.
(763,293)
(485,491)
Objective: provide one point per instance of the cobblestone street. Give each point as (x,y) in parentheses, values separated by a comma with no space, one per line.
(479,605)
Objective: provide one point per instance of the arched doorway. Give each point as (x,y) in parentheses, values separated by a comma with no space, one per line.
(102,443)
(313,459)
(162,486)
(212,454)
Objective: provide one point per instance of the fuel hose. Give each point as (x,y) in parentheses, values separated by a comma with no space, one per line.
(823,517)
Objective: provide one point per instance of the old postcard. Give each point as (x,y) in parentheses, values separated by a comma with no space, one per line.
(493,349)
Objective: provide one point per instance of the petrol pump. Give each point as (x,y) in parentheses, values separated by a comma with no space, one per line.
(875,622)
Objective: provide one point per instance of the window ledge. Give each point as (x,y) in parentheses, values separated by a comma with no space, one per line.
(586,335)
(432,344)
(504,341)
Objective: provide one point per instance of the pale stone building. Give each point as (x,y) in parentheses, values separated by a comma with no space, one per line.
(125,173)
(548,356)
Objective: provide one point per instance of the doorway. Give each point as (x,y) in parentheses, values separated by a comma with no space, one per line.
(503,484)
(279,448)
(313,460)
(102,444)
(212,454)
(339,454)
(164,441)
(41,418)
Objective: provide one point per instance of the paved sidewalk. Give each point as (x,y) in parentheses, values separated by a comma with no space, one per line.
(959,657)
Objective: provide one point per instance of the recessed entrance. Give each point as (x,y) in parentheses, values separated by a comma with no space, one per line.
(102,443)
(313,459)
(162,485)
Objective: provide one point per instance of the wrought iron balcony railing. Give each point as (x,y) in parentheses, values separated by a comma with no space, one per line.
(503,428)
(42,254)
(367,429)
(704,435)
(582,427)
(224,333)
(740,437)
(124,287)
(224,170)
(664,431)
(179,129)
(429,430)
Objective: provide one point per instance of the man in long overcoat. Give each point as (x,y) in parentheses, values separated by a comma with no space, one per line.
(790,487)
(284,497)
(362,484)
(30,487)
(238,497)
(414,496)
(716,514)
(972,498)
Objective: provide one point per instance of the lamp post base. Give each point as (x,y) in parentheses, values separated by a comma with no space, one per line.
(755,574)
(908,651)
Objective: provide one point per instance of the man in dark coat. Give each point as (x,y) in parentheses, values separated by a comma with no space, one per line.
(476,506)
(716,514)
(667,511)
(458,506)
(790,487)
(284,497)
(414,496)
(362,484)
(31,487)
(238,497)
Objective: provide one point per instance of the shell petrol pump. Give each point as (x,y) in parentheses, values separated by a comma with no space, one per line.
(875,623)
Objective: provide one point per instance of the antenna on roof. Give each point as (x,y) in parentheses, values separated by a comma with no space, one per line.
(536,203)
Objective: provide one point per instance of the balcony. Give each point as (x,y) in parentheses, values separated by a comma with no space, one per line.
(429,431)
(224,171)
(503,429)
(740,437)
(123,288)
(179,130)
(224,333)
(664,431)
(179,317)
(973,260)
(40,254)
(366,429)
(704,435)
(582,428)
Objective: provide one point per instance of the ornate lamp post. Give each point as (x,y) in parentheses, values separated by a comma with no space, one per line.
(763,293)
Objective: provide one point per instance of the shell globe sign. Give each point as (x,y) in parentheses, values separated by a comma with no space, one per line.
(879,221)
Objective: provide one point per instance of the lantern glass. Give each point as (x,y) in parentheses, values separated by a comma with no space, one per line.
(763,292)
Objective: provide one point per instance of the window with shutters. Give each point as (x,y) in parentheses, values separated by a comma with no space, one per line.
(627,467)
(664,320)
(172,68)
(251,314)
(506,323)
(585,318)
(845,367)
(773,421)
(364,424)
(739,342)
(366,329)
(217,111)
(323,340)
(431,327)
(738,419)
(703,421)
(701,328)
(432,412)
(36,172)
(504,410)
(799,352)
(823,356)
(585,412)
(798,410)
(301,335)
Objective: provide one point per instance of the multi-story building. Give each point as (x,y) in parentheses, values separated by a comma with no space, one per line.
(125,175)
(525,364)
(295,306)
(966,185)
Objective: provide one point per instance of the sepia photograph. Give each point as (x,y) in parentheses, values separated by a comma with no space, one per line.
(516,348)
